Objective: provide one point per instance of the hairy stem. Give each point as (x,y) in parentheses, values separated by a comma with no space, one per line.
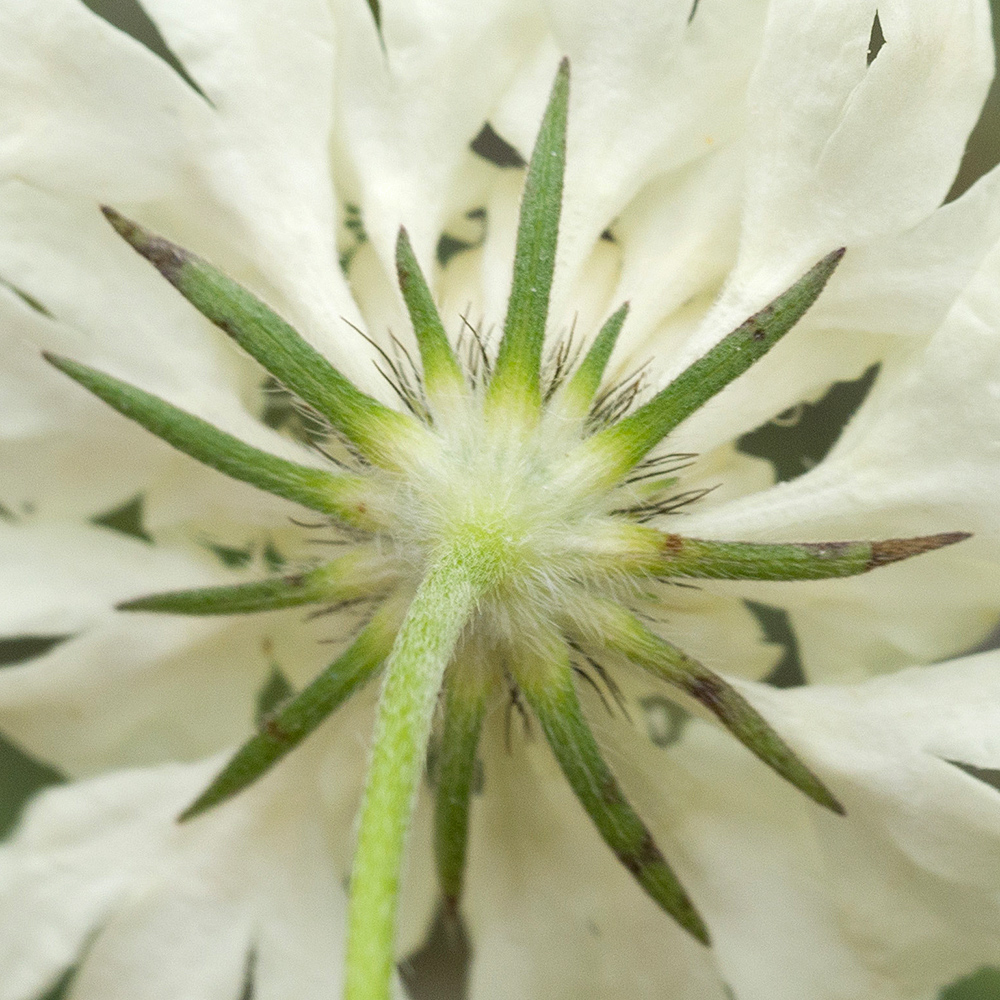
(414,672)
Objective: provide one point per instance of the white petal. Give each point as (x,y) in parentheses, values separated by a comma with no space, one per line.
(74,857)
(744,847)
(63,577)
(899,285)
(831,146)
(122,694)
(70,83)
(265,166)
(256,201)
(407,115)
(679,238)
(67,455)
(154,947)
(132,688)
(551,911)
(893,901)
(651,93)
(716,629)
(64,454)
(920,457)
(927,910)
(818,164)
(178,909)
(116,313)
(139,692)
(905,283)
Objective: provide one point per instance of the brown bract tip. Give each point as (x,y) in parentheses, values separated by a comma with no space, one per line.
(894,549)
(126,228)
(166,257)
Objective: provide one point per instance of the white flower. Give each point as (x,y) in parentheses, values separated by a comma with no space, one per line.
(723,148)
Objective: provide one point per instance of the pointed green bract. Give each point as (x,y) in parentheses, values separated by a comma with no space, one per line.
(465,705)
(380,434)
(624,633)
(284,729)
(516,380)
(626,443)
(414,671)
(577,395)
(695,558)
(442,373)
(354,575)
(549,690)
(313,488)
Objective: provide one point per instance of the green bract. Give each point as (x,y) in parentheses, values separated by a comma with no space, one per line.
(499,532)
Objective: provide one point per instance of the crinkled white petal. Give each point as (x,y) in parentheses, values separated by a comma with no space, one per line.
(63,451)
(136,692)
(266,163)
(744,846)
(892,901)
(407,113)
(671,268)
(927,910)
(716,629)
(75,858)
(255,197)
(169,910)
(652,91)
(100,874)
(919,457)
(81,99)
(63,454)
(679,238)
(120,690)
(113,311)
(832,138)
(154,946)
(824,144)
(899,285)
(66,454)
(905,282)
(63,577)
(551,911)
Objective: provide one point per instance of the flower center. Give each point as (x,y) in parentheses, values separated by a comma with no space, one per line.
(500,487)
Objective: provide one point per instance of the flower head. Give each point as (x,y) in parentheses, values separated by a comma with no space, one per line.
(503,527)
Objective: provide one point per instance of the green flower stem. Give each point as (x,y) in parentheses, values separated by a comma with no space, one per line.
(576,396)
(313,488)
(442,606)
(516,382)
(549,690)
(363,572)
(443,377)
(666,555)
(465,705)
(286,727)
(621,631)
(380,434)
(623,445)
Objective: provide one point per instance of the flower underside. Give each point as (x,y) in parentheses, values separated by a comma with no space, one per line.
(502,532)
